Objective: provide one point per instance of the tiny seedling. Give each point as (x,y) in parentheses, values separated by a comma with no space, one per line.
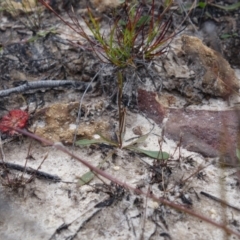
(119,143)
(41,34)
(159,155)
(227,35)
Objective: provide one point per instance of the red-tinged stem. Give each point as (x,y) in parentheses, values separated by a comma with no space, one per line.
(83,34)
(152,19)
(178,207)
(163,31)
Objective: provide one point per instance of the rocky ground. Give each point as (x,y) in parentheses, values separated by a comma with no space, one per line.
(186,106)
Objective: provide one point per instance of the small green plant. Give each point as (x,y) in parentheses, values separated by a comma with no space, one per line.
(87,177)
(41,34)
(135,36)
(119,143)
(229,35)
(138,34)
(160,155)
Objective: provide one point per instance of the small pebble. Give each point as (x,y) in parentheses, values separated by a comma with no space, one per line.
(116,168)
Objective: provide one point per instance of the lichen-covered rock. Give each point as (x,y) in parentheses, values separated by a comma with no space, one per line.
(197,71)
(213,74)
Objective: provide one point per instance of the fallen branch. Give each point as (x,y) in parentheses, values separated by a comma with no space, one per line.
(219,200)
(31,171)
(44,84)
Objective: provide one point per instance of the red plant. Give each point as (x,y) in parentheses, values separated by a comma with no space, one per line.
(14,119)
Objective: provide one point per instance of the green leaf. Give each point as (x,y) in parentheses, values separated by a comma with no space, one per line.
(152,154)
(167,3)
(233,6)
(238,153)
(138,140)
(227,8)
(202,4)
(122,23)
(143,20)
(226,35)
(107,141)
(85,142)
(86,178)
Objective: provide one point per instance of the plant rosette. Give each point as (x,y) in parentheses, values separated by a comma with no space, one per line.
(16,118)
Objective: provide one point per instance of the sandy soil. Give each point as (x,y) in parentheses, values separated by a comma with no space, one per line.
(55,206)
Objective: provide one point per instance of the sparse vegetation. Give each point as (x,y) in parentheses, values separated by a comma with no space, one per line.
(136,36)
(28,12)
(116,181)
